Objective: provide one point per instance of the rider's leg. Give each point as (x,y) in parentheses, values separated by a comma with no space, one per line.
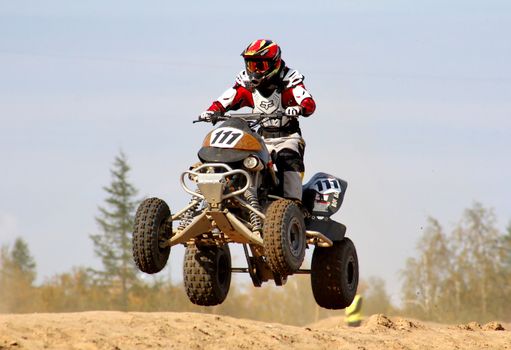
(290,169)
(289,152)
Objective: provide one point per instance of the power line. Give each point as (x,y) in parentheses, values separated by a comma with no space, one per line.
(113,59)
(180,64)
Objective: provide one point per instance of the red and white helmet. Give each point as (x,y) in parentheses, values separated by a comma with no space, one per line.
(262,60)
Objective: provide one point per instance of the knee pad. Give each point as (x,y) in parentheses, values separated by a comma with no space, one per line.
(289,160)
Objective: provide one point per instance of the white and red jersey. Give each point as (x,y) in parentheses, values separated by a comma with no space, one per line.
(289,92)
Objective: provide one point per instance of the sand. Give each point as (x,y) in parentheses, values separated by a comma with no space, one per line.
(168,330)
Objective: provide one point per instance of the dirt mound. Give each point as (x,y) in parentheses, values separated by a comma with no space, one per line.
(118,330)
(474,326)
(493,326)
(383,322)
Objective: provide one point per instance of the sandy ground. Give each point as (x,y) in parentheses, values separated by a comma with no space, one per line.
(118,330)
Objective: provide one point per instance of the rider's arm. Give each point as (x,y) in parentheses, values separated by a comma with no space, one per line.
(233,98)
(295,94)
(299,96)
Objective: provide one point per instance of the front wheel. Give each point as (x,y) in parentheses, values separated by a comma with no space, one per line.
(152,227)
(284,237)
(334,274)
(207,274)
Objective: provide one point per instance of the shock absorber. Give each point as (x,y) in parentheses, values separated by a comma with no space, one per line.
(255,220)
(188,215)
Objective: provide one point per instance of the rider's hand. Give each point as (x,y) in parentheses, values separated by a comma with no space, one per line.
(206,115)
(293,111)
(209,116)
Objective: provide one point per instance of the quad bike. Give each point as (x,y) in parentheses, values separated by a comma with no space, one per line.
(236,198)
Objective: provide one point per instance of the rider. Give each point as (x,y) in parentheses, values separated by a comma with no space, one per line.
(268,85)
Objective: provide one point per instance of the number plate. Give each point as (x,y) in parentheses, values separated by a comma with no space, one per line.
(225,137)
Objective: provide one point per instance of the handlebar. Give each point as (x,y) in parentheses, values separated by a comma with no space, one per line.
(255,117)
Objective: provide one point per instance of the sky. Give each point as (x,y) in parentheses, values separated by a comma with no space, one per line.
(413,110)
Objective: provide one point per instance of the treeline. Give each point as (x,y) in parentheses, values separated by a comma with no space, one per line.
(118,285)
(81,290)
(459,277)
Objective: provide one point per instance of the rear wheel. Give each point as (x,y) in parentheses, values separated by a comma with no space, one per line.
(207,274)
(334,274)
(284,237)
(152,227)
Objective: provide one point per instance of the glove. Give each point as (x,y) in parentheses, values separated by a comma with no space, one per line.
(206,115)
(209,116)
(293,111)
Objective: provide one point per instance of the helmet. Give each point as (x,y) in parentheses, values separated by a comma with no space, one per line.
(262,60)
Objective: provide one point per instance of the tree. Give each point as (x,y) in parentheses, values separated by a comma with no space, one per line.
(376,298)
(113,244)
(17,275)
(480,264)
(462,277)
(426,277)
(23,260)
(506,241)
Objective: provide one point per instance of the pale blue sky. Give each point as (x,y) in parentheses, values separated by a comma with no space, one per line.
(413,110)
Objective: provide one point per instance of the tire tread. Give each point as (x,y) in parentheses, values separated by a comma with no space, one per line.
(277,215)
(328,279)
(148,256)
(200,275)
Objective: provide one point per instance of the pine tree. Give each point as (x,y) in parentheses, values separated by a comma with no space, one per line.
(21,258)
(113,244)
(17,276)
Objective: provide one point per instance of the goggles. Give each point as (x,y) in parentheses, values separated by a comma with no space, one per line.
(257,66)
